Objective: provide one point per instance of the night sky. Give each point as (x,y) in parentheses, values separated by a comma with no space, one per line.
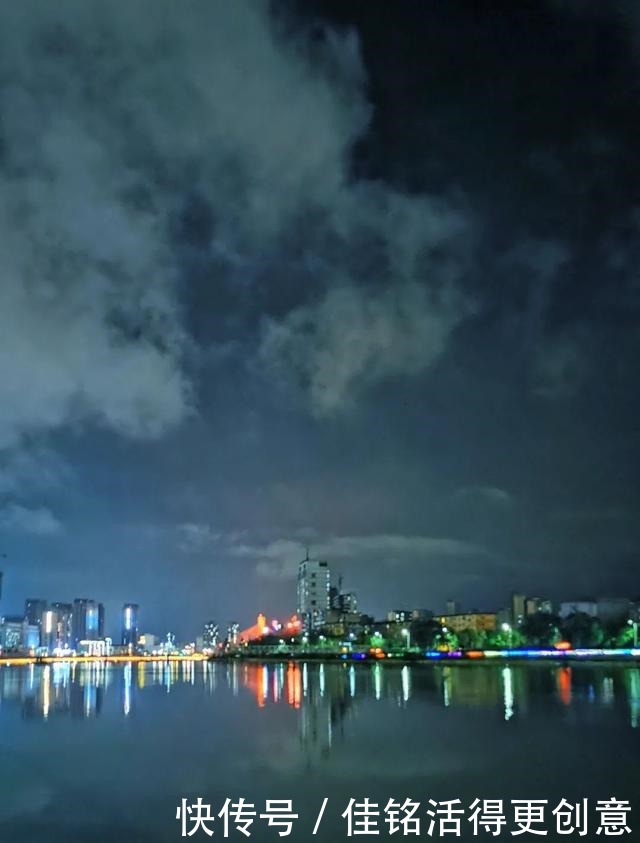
(361,276)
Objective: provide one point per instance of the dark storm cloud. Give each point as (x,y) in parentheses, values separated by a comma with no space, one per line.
(366,272)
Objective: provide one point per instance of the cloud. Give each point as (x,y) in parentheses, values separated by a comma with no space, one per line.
(279,559)
(20,519)
(34,468)
(195,538)
(560,367)
(354,338)
(109,120)
(485,495)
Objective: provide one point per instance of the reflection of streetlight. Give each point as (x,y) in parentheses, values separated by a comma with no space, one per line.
(407,635)
(634,624)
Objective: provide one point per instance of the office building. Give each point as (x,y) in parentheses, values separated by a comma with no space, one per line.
(453,607)
(130,625)
(34,609)
(518,609)
(88,621)
(314,592)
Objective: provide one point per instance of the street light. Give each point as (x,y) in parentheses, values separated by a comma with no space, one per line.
(634,624)
(407,635)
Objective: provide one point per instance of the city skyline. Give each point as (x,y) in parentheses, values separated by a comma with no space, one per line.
(275,279)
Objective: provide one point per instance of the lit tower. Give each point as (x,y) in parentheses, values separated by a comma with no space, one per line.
(130,625)
(314,591)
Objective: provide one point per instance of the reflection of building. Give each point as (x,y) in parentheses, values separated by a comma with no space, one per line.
(314,592)
(474,621)
(130,625)
(88,620)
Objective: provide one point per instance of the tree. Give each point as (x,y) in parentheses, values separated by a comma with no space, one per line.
(541,629)
(582,630)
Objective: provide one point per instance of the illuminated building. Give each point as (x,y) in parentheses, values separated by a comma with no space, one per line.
(536,605)
(12,632)
(474,621)
(314,592)
(148,642)
(233,632)
(399,616)
(87,620)
(130,625)
(34,609)
(210,636)
(517,608)
(63,614)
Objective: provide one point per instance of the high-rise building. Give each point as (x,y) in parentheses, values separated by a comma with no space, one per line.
(88,620)
(34,609)
(517,609)
(453,607)
(130,625)
(63,619)
(314,592)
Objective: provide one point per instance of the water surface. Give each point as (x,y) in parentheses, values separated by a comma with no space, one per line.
(107,753)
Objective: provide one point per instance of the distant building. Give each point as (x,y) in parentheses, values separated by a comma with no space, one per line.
(453,607)
(148,642)
(314,592)
(87,621)
(210,636)
(537,605)
(574,607)
(518,609)
(130,625)
(34,609)
(399,616)
(63,632)
(421,614)
(12,632)
(614,609)
(473,621)
(233,632)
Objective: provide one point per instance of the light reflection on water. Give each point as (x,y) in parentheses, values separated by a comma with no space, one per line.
(106,752)
(80,689)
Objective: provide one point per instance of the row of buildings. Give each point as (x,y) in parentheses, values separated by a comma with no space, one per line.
(321,605)
(59,627)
